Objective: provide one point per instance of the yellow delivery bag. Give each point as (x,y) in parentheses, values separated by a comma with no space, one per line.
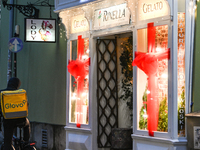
(14,104)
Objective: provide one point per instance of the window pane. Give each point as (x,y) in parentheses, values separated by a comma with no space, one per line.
(79,104)
(158,79)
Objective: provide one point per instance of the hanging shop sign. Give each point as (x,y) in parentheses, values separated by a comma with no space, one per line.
(79,24)
(40,30)
(112,16)
(149,9)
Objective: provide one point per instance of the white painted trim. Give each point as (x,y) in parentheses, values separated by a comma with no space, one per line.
(81,130)
(189,46)
(174,106)
(167,135)
(160,140)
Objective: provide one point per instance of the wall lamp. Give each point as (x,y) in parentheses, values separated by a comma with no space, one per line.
(27,10)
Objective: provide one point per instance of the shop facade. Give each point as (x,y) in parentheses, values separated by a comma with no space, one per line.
(152,42)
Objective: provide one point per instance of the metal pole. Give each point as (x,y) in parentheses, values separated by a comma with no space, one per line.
(11,18)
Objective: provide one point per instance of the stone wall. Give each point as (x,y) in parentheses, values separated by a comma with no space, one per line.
(48,137)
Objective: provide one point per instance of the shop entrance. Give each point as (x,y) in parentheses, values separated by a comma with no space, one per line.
(112,52)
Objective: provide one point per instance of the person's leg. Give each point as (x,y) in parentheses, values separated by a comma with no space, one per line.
(27,130)
(8,134)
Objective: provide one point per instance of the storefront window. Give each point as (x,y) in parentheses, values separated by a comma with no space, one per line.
(153,79)
(79,102)
(181,74)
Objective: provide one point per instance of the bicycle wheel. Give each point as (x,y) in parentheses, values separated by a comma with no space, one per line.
(2,147)
(30,148)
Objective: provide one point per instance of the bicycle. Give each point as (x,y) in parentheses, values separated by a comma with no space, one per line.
(19,144)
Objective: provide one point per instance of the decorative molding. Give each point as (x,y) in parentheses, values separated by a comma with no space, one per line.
(67,15)
(131,7)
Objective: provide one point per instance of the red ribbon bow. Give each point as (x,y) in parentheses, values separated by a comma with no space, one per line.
(79,69)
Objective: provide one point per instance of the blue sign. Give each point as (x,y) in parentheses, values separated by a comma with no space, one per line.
(15,45)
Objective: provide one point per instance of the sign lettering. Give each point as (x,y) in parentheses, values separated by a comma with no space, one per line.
(33,32)
(116,14)
(149,9)
(9,105)
(79,24)
(152,7)
(112,16)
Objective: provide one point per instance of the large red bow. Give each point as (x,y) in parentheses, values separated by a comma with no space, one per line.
(148,62)
(79,69)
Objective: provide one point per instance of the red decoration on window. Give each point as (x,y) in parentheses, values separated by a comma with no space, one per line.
(79,68)
(148,62)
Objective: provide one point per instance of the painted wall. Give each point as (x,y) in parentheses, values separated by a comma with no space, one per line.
(40,66)
(196,61)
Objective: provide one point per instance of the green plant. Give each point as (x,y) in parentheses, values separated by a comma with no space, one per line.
(126,59)
(143,112)
(163,116)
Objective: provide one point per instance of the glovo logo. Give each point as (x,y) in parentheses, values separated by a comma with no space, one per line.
(10,105)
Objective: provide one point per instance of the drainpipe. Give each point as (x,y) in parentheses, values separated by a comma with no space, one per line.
(192,53)
(10,55)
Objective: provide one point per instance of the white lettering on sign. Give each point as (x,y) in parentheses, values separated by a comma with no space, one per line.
(152,7)
(79,24)
(111,16)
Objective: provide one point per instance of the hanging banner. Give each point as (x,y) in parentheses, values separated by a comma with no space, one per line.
(111,16)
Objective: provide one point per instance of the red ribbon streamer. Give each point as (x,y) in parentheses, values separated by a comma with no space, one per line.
(148,62)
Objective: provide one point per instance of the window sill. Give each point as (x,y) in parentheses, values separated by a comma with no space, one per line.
(75,129)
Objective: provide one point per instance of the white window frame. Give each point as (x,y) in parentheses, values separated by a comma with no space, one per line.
(171,117)
(70,125)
